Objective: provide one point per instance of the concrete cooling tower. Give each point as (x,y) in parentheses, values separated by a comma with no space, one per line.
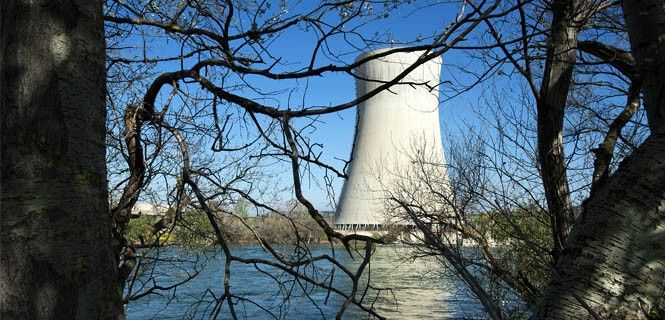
(390,126)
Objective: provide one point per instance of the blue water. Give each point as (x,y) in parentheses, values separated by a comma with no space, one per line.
(419,290)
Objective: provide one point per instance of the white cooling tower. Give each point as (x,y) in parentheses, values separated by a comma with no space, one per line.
(390,126)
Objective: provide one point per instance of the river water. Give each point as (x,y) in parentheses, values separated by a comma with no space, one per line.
(419,289)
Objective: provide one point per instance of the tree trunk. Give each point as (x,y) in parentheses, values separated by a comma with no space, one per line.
(56,253)
(645,20)
(614,260)
(614,263)
(551,103)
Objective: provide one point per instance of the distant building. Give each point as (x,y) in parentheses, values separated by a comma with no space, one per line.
(149,209)
(389,126)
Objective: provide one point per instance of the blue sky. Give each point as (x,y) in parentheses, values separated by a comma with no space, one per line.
(335,132)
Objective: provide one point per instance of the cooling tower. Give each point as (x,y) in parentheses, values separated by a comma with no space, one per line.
(390,126)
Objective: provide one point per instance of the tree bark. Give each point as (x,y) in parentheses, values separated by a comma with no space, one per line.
(551,104)
(56,253)
(645,20)
(614,260)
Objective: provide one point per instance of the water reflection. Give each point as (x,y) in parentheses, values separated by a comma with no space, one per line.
(418,289)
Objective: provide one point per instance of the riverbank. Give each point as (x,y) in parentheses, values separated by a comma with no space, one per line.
(193,229)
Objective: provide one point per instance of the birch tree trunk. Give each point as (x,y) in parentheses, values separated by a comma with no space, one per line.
(614,262)
(56,253)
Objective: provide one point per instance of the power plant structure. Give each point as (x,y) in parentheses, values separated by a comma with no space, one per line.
(395,130)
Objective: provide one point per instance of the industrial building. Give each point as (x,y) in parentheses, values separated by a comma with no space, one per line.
(390,127)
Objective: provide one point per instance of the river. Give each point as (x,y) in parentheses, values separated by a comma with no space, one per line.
(419,289)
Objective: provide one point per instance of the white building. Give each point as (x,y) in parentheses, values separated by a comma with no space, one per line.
(390,125)
(149,209)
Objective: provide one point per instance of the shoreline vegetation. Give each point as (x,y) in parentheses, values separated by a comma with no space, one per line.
(194,229)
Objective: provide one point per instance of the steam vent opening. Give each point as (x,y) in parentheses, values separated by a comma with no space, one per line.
(394,129)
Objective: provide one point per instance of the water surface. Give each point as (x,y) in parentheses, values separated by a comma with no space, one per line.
(418,289)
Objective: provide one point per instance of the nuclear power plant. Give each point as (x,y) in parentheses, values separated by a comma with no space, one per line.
(390,126)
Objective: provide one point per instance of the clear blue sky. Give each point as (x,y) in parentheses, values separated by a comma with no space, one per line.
(335,132)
